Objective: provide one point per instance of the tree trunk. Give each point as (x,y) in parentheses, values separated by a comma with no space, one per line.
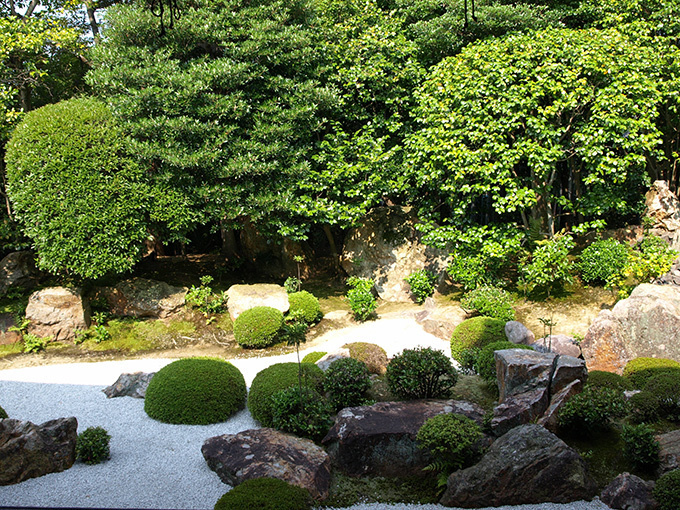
(334,248)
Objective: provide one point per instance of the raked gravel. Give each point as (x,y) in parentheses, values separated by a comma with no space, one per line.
(155,465)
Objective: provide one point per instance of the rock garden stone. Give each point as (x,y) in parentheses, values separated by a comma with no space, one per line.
(57,312)
(269,453)
(560,344)
(18,270)
(629,492)
(669,452)
(130,385)
(440,321)
(528,465)
(325,361)
(380,440)
(141,297)
(550,420)
(8,337)
(518,333)
(244,297)
(28,450)
(663,207)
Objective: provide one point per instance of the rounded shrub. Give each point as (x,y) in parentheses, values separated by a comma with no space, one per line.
(265,494)
(602,261)
(476,332)
(422,284)
(347,381)
(421,373)
(603,379)
(643,407)
(640,446)
(489,302)
(372,355)
(195,391)
(667,491)
(3,413)
(665,389)
(485,364)
(276,378)
(592,410)
(258,327)
(450,438)
(360,297)
(304,306)
(92,445)
(306,413)
(313,357)
(640,370)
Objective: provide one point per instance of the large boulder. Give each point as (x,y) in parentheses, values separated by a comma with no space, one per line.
(57,312)
(669,451)
(629,492)
(17,270)
(141,297)
(269,453)
(527,465)
(387,248)
(28,450)
(647,324)
(439,320)
(560,344)
(380,439)
(663,207)
(130,385)
(244,297)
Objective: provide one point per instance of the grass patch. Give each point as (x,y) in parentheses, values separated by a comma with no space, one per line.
(476,390)
(15,348)
(224,322)
(132,335)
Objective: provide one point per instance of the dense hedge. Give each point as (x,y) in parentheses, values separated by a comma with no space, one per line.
(305,306)
(347,381)
(476,333)
(313,357)
(667,491)
(195,391)
(258,327)
(603,379)
(640,370)
(265,494)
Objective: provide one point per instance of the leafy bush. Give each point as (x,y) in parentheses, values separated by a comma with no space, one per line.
(372,355)
(313,357)
(476,332)
(665,389)
(421,373)
(258,327)
(92,445)
(3,413)
(275,378)
(204,299)
(640,370)
(305,414)
(651,258)
(489,302)
(643,408)
(640,446)
(292,284)
(34,343)
(548,267)
(602,261)
(305,306)
(591,410)
(485,364)
(360,297)
(422,284)
(667,491)
(195,391)
(450,439)
(602,379)
(347,381)
(265,494)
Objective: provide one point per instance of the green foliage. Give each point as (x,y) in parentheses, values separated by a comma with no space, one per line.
(305,306)
(476,333)
(602,379)
(347,381)
(651,258)
(489,302)
(34,343)
(96,221)
(640,446)
(265,494)
(421,373)
(292,284)
(591,410)
(195,391)
(644,408)
(305,414)
(451,439)
(372,355)
(313,357)
(666,491)
(485,364)
(3,413)
(665,389)
(422,284)
(258,327)
(204,299)
(602,261)
(360,297)
(276,378)
(92,446)
(640,370)
(548,267)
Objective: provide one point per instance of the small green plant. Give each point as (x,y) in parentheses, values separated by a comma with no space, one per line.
(476,333)
(422,284)
(603,261)
(265,494)
(34,343)
(360,297)
(547,269)
(99,331)
(651,258)
(666,492)
(292,284)
(485,365)
(640,370)
(258,327)
(301,411)
(489,302)
(421,373)
(592,410)
(640,446)
(22,327)
(205,300)
(313,357)
(347,381)
(92,445)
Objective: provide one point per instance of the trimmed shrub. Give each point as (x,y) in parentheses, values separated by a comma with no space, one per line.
(313,357)
(195,391)
(258,327)
(305,306)
(421,373)
(304,414)
(347,381)
(665,389)
(592,410)
(422,284)
(644,408)
(602,261)
(485,365)
(640,446)
(360,297)
(667,491)
(372,355)
(265,494)
(603,379)
(92,445)
(476,332)
(640,370)
(3,413)
(451,439)
(276,378)
(489,302)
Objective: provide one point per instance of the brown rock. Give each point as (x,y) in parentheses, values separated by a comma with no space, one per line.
(269,453)
(603,346)
(567,370)
(629,492)
(549,420)
(521,370)
(8,337)
(520,408)
(141,297)
(244,297)
(559,344)
(57,312)
(440,321)
(18,270)
(663,207)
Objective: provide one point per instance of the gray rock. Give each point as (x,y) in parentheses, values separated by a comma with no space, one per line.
(57,312)
(244,297)
(663,207)
(130,385)
(568,369)
(559,344)
(28,450)
(629,492)
(549,420)
(18,270)
(669,452)
(521,408)
(325,362)
(141,297)
(440,321)
(7,337)
(518,333)
(521,370)
(269,453)
(528,465)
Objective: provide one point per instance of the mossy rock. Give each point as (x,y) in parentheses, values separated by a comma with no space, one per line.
(3,413)
(276,378)
(486,362)
(304,305)
(258,327)
(476,332)
(639,370)
(667,491)
(313,357)
(195,391)
(372,355)
(265,494)
(603,379)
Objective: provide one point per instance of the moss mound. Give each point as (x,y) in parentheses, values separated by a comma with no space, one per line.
(603,379)
(313,357)
(274,379)
(258,327)
(265,494)
(305,306)
(667,491)
(640,370)
(372,355)
(195,391)
(476,333)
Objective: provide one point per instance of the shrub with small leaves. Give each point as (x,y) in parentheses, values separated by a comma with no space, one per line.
(640,446)
(640,370)
(485,365)
(643,407)
(265,494)
(373,355)
(258,327)
(305,307)
(651,258)
(304,414)
(422,284)
(421,373)
(489,302)
(450,439)
(360,297)
(347,381)
(665,389)
(292,284)
(476,332)
(592,410)
(92,445)
(313,357)
(602,261)
(603,379)
(666,491)
(547,268)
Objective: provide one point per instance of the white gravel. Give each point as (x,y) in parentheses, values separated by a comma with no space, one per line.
(155,465)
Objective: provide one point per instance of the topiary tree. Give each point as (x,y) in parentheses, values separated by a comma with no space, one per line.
(421,373)
(77,190)
(602,379)
(313,357)
(301,411)
(304,305)
(347,381)
(476,333)
(258,327)
(92,446)
(195,391)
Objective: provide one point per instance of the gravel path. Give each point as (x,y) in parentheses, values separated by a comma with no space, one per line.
(155,465)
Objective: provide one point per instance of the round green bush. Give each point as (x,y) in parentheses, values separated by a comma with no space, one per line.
(592,410)
(421,373)
(489,302)
(640,370)
(347,381)
(640,446)
(602,261)
(3,413)
(665,389)
(92,445)
(313,357)
(306,413)
(265,494)
(644,408)
(667,491)
(305,306)
(450,438)
(276,378)
(195,391)
(476,332)
(603,379)
(372,355)
(485,365)
(257,328)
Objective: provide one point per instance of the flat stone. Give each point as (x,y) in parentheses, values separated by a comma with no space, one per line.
(244,297)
